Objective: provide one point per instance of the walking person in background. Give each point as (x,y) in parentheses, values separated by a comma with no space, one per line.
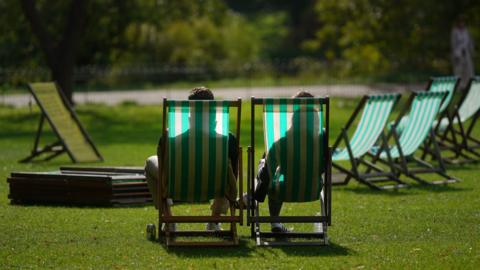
(462,52)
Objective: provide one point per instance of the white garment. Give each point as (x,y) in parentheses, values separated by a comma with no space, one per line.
(462,53)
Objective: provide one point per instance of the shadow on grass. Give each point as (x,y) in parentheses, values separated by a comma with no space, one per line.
(247,248)
(332,250)
(244,249)
(462,167)
(407,191)
(442,188)
(364,190)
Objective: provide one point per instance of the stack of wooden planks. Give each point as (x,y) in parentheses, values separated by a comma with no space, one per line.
(80,186)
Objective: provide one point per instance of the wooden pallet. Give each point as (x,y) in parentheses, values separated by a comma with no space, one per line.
(80,186)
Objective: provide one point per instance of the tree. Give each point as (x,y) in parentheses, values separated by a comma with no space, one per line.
(60,51)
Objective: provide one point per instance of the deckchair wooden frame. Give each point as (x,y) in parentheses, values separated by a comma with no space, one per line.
(401,164)
(230,237)
(253,213)
(60,146)
(371,179)
(465,146)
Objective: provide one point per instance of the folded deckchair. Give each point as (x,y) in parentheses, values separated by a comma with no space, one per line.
(297,156)
(194,167)
(437,84)
(453,133)
(424,108)
(376,111)
(71,136)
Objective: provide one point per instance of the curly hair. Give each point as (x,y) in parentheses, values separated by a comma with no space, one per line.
(201,93)
(303,94)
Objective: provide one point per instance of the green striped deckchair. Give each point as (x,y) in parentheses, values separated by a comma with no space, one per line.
(444,83)
(71,136)
(424,108)
(376,111)
(297,155)
(437,84)
(196,162)
(453,125)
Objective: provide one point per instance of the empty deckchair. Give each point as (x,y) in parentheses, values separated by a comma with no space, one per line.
(444,83)
(376,111)
(194,167)
(297,156)
(71,136)
(451,130)
(424,108)
(436,84)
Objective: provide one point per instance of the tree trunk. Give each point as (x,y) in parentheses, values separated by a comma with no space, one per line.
(60,51)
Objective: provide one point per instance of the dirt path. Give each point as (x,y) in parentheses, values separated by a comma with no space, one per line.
(156,96)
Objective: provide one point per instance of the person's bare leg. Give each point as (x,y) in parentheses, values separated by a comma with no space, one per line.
(151,175)
(218,207)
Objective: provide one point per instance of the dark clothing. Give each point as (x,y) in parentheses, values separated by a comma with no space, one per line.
(263,181)
(261,190)
(233,152)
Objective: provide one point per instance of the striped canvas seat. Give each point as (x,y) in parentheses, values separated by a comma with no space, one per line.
(197,149)
(72,137)
(445,83)
(424,109)
(375,115)
(469,106)
(295,148)
(436,84)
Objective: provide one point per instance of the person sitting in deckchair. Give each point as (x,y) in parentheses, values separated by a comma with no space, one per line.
(220,204)
(265,174)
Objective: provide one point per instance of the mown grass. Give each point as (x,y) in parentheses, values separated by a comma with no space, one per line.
(420,227)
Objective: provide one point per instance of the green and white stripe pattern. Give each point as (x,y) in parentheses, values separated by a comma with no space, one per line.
(444,83)
(469,106)
(424,109)
(374,117)
(294,145)
(197,149)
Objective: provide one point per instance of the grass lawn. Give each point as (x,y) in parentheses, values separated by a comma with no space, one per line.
(420,227)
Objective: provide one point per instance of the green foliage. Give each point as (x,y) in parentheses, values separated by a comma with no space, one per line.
(372,36)
(221,39)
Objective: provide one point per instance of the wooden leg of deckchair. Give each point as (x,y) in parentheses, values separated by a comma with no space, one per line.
(233,226)
(46,149)
(55,154)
